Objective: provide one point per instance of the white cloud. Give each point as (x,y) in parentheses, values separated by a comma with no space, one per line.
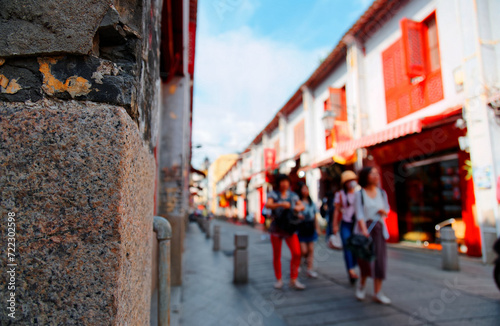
(241,81)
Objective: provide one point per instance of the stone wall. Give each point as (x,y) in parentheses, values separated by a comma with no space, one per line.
(83,50)
(79,83)
(81,186)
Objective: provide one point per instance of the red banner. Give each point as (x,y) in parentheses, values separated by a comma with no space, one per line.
(269,158)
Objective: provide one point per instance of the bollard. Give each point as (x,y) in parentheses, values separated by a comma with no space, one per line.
(207,228)
(164,234)
(240,258)
(201,223)
(449,249)
(216,246)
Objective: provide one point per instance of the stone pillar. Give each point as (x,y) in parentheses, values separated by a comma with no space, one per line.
(354,90)
(76,108)
(216,244)
(240,258)
(207,228)
(480,69)
(173,163)
(311,127)
(449,249)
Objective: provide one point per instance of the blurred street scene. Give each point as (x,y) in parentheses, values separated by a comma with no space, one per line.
(250,162)
(423,294)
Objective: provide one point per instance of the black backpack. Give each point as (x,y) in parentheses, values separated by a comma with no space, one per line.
(288,221)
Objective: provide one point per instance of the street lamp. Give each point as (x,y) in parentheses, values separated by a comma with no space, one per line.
(328,119)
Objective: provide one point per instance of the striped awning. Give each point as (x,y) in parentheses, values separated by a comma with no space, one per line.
(394,132)
(407,128)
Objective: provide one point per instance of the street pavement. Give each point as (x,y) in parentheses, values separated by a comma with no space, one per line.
(421,292)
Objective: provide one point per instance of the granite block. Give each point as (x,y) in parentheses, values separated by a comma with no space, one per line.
(80,179)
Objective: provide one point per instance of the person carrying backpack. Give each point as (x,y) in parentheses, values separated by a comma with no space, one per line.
(344,218)
(284,203)
(372,208)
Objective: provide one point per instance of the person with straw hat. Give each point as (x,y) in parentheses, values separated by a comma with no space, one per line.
(344,218)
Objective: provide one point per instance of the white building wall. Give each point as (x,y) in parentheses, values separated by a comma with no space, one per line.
(292,120)
(448,23)
(337,79)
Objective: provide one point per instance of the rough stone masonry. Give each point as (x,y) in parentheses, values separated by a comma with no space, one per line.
(78,90)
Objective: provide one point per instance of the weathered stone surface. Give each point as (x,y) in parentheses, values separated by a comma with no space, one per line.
(87,78)
(71,40)
(49,26)
(80,180)
(20,80)
(69,77)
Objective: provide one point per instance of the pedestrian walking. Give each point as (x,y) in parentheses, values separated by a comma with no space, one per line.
(344,218)
(326,211)
(308,229)
(372,207)
(279,201)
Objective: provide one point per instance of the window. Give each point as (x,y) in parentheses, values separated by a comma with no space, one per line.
(412,69)
(432,44)
(336,102)
(299,139)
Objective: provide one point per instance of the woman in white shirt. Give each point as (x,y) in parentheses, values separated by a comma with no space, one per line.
(372,207)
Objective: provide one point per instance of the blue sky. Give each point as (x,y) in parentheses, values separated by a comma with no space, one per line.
(251,56)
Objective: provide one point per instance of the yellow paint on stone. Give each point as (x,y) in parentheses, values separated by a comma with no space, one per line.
(74,85)
(9,86)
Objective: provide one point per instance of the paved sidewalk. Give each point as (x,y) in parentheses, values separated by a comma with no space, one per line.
(422,293)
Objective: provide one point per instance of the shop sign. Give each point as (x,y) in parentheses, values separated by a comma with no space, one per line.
(482,177)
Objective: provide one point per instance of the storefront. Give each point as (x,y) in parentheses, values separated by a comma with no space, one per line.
(428,181)
(427,177)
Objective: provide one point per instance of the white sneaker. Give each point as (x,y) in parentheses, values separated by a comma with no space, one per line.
(381,298)
(297,285)
(360,293)
(278,285)
(312,274)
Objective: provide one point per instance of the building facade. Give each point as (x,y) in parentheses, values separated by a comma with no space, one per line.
(414,89)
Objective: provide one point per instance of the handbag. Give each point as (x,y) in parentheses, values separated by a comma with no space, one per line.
(361,246)
(288,221)
(306,229)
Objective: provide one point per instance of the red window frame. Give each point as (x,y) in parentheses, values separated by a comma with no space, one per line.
(409,83)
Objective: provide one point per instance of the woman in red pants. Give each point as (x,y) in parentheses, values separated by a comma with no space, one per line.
(278,201)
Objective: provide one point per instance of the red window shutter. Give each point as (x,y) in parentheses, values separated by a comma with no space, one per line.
(388,67)
(413,47)
(404,105)
(392,110)
(417,97)
(434,87)
(337,102)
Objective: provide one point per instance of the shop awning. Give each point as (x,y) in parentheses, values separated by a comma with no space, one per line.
(407,128)
(394,132)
